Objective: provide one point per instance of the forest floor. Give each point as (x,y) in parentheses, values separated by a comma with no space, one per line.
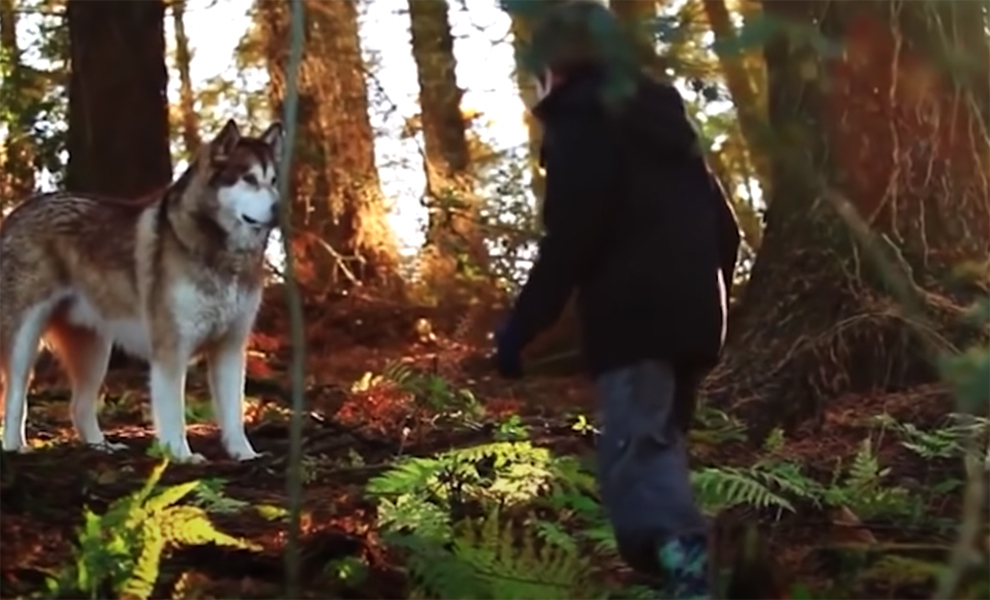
(871,536)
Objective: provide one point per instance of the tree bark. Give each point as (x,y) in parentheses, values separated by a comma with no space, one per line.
(17,178)
(521,30)
(884,129)
(187,99)
(338,201)
(744,85)
(454,242)
(118,104)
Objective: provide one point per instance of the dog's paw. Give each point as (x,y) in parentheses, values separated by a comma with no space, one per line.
(108,447)
(18,449)
(191,458)
(244,454)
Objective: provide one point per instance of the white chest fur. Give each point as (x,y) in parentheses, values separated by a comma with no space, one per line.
(206,312)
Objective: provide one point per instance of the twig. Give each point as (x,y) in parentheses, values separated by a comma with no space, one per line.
(292,296)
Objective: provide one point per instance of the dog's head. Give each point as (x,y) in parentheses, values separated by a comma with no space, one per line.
(236,176)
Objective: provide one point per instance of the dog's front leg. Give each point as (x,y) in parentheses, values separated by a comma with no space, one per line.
(168,403)
(227,363)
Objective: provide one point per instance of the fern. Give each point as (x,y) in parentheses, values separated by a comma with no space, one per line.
(488,560)
(863,490)
(119,552)
(718,489)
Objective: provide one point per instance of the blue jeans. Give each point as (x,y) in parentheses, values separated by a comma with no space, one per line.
(642,461)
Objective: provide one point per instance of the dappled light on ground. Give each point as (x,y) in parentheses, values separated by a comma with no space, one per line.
(383,437)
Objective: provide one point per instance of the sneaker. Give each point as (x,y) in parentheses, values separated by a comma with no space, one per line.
(684,563)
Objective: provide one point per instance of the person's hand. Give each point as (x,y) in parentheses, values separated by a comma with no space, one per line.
(508,359)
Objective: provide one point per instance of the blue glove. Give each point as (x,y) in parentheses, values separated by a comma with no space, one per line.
(508,360)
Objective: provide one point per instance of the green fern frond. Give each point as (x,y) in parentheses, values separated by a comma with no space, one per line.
(170,496)
(414,513)
(191,526)
(864,474)
(142,577)
(787,478)
(408,476)
(721,488)
(120,551)
(518,570)
(399,373)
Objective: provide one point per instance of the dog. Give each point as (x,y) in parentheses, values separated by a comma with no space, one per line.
(172,278)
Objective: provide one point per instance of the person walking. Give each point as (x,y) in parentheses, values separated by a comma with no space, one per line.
(635,222)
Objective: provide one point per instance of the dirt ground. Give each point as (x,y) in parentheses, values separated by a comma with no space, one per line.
(42,493)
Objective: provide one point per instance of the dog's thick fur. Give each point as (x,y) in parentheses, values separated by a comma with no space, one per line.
(167,279)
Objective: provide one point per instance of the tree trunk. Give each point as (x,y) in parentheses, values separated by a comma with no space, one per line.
(744,85)
(454,242)
(883,127)
(338,203)
(17,152)
(118,104)
(527,92)
(187,99)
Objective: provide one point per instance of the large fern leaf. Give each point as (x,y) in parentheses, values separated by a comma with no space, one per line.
(721,488)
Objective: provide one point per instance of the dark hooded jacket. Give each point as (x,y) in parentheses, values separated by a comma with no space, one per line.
(635,222)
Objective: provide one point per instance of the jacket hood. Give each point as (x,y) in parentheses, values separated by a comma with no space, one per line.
(650,114)
(656,119)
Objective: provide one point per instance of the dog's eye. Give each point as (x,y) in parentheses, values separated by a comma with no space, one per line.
(250,179)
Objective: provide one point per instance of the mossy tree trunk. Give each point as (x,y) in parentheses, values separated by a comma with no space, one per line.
(118,138)
(886,129)
(338,208)
(455,245)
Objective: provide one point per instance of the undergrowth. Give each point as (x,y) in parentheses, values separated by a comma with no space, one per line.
(118,554)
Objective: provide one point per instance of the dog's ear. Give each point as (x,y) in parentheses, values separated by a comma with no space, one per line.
(274,136)
(223,145)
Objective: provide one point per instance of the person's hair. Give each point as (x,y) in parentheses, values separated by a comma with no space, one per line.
(575,34)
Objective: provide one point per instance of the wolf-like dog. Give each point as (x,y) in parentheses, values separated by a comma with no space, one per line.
(170,278)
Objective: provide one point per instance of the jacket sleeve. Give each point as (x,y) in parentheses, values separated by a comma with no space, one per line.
(581,165)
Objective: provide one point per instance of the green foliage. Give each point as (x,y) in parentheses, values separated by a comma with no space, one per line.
(489,559)
(34,95)
(119,553)
(717,489)
(943,442)
(512,429)
(209,495)
(429,390)
(717,427)
(420,493)
(508,215)
(423,505)
(863,491)
(969,371)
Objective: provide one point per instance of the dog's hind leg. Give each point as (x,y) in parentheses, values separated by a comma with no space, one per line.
(19,350)
(85,355)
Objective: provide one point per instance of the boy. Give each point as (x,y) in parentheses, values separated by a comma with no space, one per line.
(637,225)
